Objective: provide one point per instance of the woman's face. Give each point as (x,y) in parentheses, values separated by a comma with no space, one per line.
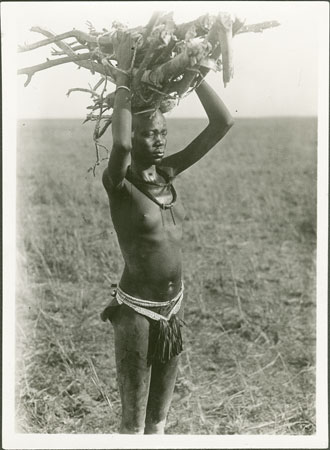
(149,139)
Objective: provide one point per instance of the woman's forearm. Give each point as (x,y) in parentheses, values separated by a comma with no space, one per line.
(122,116)
(214,107)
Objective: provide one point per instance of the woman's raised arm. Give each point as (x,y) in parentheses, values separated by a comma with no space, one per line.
(220,121)
(122,116)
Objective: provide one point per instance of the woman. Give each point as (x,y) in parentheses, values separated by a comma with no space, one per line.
(147,215)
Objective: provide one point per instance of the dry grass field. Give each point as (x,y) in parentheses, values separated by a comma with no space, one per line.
(248,365)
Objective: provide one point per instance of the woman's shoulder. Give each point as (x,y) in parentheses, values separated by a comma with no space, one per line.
(109,186)
(168,171)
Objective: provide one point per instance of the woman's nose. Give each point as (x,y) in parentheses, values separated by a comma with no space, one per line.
(160,138)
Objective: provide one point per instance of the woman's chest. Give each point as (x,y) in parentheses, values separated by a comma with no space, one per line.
(136,211)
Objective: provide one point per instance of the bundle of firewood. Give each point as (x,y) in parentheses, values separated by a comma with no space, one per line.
(169,60)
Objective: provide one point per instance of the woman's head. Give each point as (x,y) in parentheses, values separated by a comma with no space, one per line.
(149,138)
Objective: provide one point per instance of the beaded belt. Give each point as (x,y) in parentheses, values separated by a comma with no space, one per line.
(141,306)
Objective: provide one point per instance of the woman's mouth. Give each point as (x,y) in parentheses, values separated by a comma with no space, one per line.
(159,153)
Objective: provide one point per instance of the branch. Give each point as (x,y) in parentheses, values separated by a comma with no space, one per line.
(151,50)
(258,27)
(151,24)
(104,128)
(89,91)
(225,38)
(85,39)
(81,37)
(93,117)
(68,50)
(74,48)
(198,27)
(30,71)
(175,66)
(92,66)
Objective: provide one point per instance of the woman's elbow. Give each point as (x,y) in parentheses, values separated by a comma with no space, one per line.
(228,122)
(222,128)
(123,147)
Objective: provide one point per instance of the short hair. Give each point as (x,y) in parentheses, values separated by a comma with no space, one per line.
(143,116)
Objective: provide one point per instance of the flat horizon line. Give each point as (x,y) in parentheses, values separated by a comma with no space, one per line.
(284,116)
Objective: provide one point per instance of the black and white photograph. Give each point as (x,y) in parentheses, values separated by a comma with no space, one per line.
(165,224)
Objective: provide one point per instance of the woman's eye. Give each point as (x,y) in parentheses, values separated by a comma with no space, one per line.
(164,132)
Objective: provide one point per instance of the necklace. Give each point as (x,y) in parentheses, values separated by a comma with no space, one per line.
(140,185)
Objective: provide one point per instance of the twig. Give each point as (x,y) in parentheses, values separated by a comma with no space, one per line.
(97,125)
(74,48)
(98,84)
(90,91)
(96,134)
(238,298)
(93,168)
(92,66)
(287,370)
(255,427)
(95,117)
(26,379)
(79,35)
(262,369)
(105,127)
(42,258)
(68,50)
(152,22)
(311,368)
(258,27)
(30,71)
(149,55)
(97,383)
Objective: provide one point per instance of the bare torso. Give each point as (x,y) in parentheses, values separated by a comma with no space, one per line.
(150,240)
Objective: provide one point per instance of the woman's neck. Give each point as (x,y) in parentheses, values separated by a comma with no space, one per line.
(143,173)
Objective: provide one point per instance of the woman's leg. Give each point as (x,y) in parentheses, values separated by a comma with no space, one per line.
(163,377)
(133,373)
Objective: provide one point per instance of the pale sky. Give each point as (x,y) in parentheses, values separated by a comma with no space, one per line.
(275,72)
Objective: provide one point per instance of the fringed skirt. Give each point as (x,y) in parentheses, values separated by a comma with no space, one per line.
(165,339)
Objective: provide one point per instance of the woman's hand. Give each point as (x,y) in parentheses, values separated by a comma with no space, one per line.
(124,49)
